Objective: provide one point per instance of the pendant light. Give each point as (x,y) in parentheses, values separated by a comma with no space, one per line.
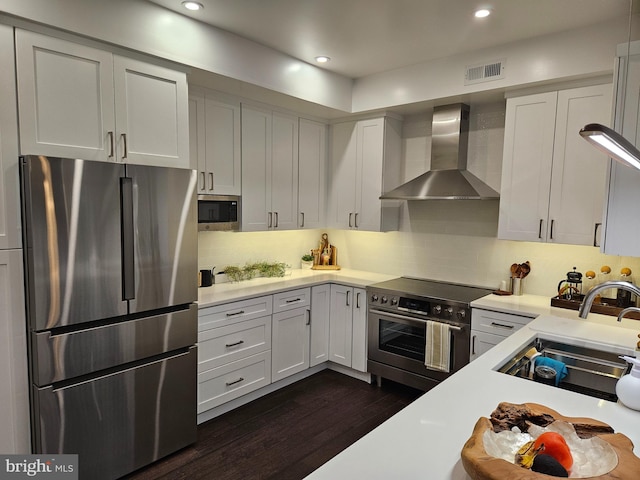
(612,143)
(606,139)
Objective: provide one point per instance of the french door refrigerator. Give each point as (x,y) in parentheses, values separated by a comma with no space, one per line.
(111,269)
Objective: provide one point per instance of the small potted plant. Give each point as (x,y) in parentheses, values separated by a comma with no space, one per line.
(306,261)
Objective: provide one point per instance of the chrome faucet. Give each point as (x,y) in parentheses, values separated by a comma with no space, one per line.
(585,306)
(622,314)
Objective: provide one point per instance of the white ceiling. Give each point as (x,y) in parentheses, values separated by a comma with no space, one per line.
(363,37)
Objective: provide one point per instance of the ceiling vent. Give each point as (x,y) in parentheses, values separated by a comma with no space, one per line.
(484,72)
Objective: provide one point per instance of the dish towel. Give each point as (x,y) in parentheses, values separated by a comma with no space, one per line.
(438,346)
(558,366)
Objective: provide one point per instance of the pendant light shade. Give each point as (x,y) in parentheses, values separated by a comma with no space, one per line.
(612,143)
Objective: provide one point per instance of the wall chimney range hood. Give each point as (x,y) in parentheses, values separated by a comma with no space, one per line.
(448,178)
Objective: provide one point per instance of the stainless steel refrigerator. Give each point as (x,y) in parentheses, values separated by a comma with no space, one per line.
(111,269)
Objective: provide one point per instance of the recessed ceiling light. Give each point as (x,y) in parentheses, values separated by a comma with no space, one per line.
(192,6)
(322,59)
(482,13)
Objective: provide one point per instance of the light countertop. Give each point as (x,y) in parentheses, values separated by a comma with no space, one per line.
(233,291)
(424,440)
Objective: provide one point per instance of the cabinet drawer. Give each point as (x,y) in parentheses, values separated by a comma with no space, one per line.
(222,384)
(229,343)
(292,299)
(229,313)
(497,323)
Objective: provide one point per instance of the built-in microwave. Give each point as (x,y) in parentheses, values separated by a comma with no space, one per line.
(218,213)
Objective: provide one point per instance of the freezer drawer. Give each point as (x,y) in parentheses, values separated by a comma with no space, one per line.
(68,355)
(120,422)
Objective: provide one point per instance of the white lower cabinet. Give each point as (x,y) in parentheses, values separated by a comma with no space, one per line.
(291,333)
(234,350)
(320,310)
(488,328)
(347,327)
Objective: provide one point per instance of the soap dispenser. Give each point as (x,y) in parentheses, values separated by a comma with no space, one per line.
(628,387)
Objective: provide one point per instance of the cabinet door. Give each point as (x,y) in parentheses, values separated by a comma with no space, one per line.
(482,342)
(370,156)
(256,169)
(222,157)
(14,389)
(341,325)
(152,118)
(320,305)
(621,229)
(197,142)
(526,167)
(359,331)
(10,222)
(65,98)
(342,193)
(284,172)
(579,171)
(290,344)
(312,166)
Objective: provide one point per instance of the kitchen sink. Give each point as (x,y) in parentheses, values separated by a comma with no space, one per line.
(591,372)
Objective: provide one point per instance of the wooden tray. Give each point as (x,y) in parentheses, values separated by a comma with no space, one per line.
(610,309)
(326,267)
(481,466)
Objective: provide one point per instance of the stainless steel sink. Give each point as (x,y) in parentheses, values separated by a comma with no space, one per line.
(591,372)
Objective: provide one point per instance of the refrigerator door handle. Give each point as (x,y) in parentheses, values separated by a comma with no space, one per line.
(128,271)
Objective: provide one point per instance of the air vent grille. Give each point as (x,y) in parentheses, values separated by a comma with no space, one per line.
(484,72)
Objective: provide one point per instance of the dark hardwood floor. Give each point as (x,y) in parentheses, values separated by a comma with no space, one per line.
(287,434)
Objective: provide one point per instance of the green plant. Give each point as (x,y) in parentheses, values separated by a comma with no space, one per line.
(250,270)
(307,257)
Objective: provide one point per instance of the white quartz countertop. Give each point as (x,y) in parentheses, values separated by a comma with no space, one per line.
(424,440)
(233,291)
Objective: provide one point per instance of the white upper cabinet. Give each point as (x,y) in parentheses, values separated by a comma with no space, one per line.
(553,182)
(622,229)
(365,162)
(312,167)
(81,102)
(214,142)
(269,170)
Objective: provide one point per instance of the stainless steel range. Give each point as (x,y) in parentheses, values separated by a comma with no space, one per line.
(401,313)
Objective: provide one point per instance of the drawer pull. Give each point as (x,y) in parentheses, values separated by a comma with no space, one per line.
(501,325)
(239,312)
(234,344)
(293,301)
(473,345)
(228,384)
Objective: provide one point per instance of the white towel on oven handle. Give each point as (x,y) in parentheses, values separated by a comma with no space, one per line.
(438,346)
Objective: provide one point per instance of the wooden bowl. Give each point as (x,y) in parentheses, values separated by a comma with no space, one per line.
(479,465)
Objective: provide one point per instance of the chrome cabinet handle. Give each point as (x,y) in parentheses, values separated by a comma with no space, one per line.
(210,180)
(358,300)
(204,181)
(595,235)
(111,146)
(308,316)
(540,229)
(234,382)
(350,219)
(270,220)
(293,301)
(234,344)
(551,230)
(473,345)
(356,220)
(233,314)
(348,298)
(302,223)
(124,145)
(276,225)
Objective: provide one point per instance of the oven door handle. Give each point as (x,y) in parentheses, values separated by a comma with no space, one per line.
(404,317)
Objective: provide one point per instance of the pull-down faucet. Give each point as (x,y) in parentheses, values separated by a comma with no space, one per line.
(586,304)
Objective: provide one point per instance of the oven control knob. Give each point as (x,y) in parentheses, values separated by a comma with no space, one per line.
(437,309)
(462,314)
(374,298)
(449,311)
(384,300)
(394,301)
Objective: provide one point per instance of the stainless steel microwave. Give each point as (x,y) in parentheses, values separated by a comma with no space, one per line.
(218,213)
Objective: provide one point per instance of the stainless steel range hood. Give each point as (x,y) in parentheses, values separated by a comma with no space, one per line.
(448,178)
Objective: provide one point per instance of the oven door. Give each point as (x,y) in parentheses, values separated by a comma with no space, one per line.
(400,341)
